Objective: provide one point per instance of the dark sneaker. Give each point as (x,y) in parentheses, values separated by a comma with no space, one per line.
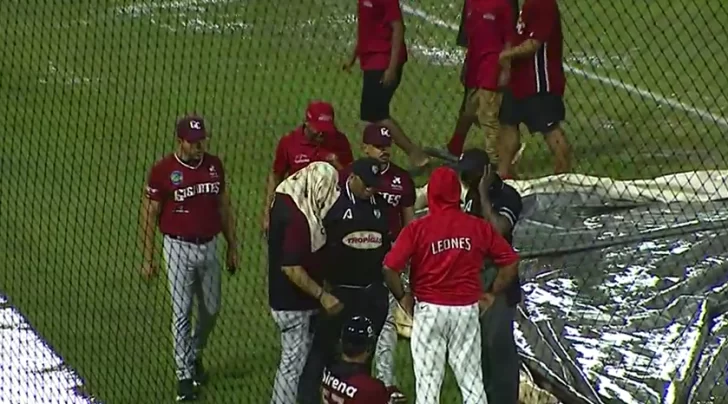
(200,377)
(186,390)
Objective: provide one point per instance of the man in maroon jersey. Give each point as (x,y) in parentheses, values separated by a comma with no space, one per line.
(317,139)
(537,85)
(446,250)
(382,53)
(349,381)
(187,195)
(398,190)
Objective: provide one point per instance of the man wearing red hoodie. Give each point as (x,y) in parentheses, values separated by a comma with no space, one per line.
(446,250)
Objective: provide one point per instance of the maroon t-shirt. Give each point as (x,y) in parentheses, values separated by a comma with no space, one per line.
(289,245)
(189,194)
(544,71)
(350,383)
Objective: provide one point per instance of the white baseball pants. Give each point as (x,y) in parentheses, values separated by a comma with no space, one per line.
(447,331)
(296,339)
(386,346)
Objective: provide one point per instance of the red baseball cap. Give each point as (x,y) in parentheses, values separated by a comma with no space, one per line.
(191,128)
(377,135)
(320,117)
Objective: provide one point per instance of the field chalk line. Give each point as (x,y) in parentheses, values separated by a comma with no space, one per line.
(706,115)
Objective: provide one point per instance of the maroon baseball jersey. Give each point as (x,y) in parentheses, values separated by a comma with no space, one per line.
(489,26)
(398,191)
(350,383)
(374,33)
(296,151)
(446,249)
(544,71)
(189,195)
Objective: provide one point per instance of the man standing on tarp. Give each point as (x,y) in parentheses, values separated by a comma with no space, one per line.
(487,196)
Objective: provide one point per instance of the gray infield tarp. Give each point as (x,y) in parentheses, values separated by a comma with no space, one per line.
(624,302)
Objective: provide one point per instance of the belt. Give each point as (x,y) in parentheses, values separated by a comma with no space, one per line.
(192,240)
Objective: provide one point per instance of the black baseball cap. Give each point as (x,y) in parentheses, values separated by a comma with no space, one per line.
(472,160)
(368,170)
(358,331)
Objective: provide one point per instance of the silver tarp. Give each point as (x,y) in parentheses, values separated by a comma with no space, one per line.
(624,302)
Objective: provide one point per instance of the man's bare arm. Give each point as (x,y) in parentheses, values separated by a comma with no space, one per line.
(525,49)
(394,283)
(273,181)
(229,226)
(397,41)
(505,276)
(148,220)
(299,276)
(408,215)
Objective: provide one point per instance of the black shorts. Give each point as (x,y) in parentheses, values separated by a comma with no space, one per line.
(375,97)
(540,113)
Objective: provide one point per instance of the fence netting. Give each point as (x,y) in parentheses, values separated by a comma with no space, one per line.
(624,261)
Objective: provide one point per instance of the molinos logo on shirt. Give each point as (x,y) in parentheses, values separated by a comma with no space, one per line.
(182,194)
(363,240)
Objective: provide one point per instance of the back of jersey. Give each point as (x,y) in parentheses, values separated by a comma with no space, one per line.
(350,383)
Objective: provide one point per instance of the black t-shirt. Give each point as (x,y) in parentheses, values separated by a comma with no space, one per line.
(289,244)
(357,239)
(462,39)
(506,201)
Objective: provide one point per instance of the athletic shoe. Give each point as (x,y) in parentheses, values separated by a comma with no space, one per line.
(186,390)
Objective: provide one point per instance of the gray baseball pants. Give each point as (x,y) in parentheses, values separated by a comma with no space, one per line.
(192,270)
(296,339)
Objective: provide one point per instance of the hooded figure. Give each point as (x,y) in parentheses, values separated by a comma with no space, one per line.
(446,250)
(314,190)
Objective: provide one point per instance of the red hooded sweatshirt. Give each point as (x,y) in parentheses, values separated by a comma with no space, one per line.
(447,248)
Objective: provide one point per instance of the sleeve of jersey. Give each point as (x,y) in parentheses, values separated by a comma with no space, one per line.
(392,12)
(408,198)
(510,206)
(296,244)
(154,189)
(280,162)
(401,251)
(500,251)
(540,28)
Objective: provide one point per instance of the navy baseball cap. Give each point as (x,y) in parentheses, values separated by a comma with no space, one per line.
(191,128)
(358,331)
(368,170)
(472,160)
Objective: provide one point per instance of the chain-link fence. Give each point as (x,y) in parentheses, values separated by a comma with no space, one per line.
(623,279)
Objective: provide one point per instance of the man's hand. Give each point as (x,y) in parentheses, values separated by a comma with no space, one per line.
(487,179)
(390,75)
(333,159)
(348,64)
(486,300)
(505,76)
(232,260)
(504,58)
(149,270)
(265,224)
(408,304)
(331,304)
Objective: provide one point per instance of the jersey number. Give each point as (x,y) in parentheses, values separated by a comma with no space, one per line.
(332,398)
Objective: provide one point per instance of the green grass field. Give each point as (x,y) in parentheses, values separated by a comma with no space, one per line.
(90,90)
